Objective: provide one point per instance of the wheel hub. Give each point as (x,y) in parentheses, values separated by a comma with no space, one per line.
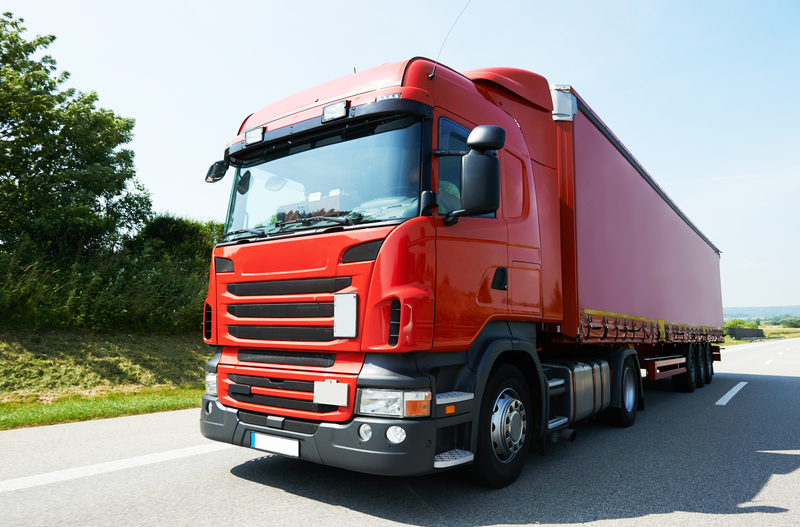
(509,425)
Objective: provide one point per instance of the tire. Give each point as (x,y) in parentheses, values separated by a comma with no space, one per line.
(630,384)
(700,357)
(503,428)
(709,363)
(687,381)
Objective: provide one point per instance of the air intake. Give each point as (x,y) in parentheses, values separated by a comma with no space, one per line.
(394,323)
(207,323)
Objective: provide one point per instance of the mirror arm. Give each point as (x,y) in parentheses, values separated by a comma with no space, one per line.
(452,217)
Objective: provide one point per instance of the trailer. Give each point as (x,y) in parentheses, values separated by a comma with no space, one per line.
(425,269)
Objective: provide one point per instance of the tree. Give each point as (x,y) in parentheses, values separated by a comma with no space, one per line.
(66,188)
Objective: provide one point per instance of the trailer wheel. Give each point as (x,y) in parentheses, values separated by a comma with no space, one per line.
(700,357)
(709,363)
(503,438)
(625,415)
(687,381)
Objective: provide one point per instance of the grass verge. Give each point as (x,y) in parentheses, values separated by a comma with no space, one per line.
(72,407)
(62,376)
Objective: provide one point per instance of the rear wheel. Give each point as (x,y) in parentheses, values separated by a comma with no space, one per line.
(709,363)
(700,357)
(630,380)
(503,429)
(687,381)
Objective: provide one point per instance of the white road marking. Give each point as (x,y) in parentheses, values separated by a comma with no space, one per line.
(788,452)
(728,396)
(103,468)
(768,362)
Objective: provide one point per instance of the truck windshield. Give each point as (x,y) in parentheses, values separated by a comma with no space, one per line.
(360,173)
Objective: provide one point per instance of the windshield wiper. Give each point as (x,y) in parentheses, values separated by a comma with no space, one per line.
(260,234)
(314,219)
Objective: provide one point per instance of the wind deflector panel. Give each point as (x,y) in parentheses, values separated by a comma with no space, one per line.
(290,287)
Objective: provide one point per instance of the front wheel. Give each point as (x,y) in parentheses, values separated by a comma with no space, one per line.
(503,429)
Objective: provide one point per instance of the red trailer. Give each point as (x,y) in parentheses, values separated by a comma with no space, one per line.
(425,269)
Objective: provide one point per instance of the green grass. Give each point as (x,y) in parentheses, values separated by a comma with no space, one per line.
(79,407)
(62,376)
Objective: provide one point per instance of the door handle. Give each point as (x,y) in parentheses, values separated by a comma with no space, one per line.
(500,280)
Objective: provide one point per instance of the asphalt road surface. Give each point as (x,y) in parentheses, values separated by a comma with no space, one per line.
(689,459)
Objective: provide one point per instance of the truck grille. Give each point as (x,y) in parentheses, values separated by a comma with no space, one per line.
(283,310)
(241,390)
(293,358)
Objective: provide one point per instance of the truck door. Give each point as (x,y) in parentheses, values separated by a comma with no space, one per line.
(471,256)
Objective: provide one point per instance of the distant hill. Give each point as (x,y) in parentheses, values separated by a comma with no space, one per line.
(760,312)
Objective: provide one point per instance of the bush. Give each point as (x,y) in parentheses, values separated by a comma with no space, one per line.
(155,283)
(739,323)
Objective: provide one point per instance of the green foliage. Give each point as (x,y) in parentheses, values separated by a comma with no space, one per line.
(157,282)
(739,323)
(67,191)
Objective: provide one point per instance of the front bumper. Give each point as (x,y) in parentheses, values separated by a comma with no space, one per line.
(332,444)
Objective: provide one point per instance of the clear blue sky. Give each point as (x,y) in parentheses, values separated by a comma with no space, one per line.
(704,93)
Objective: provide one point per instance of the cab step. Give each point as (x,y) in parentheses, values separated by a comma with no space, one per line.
(452,458)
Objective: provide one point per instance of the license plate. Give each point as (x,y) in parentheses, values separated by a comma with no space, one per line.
(275,445)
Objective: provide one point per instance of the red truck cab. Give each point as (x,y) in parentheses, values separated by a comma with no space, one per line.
(398,292)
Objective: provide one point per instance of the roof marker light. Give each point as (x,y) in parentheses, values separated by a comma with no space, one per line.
(335,111)
(253,136)
(380,98)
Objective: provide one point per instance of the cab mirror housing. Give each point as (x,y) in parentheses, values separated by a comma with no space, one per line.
(486,137)
(480,174)
(217,171)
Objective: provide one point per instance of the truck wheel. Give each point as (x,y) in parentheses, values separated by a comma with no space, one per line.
(709,363)
(625,415)
(503,439)
(700,357)
(687,381)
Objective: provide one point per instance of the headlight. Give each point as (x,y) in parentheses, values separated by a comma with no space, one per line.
(211,383)
(394,403)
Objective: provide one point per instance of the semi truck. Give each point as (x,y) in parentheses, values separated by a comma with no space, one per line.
(424,269)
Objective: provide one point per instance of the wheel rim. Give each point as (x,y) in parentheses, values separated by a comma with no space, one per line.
(629,390)
(509,425)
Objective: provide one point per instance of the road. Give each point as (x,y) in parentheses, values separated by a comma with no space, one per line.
(687,460)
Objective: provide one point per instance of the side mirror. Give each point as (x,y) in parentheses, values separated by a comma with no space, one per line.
(217,171)
(480,174)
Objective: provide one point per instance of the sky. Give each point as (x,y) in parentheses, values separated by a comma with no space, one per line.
(703,93)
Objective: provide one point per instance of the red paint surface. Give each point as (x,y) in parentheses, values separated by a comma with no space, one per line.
(635,255)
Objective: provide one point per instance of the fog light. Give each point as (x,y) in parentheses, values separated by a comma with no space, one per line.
(395,434)
(365,432)
(209,408)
